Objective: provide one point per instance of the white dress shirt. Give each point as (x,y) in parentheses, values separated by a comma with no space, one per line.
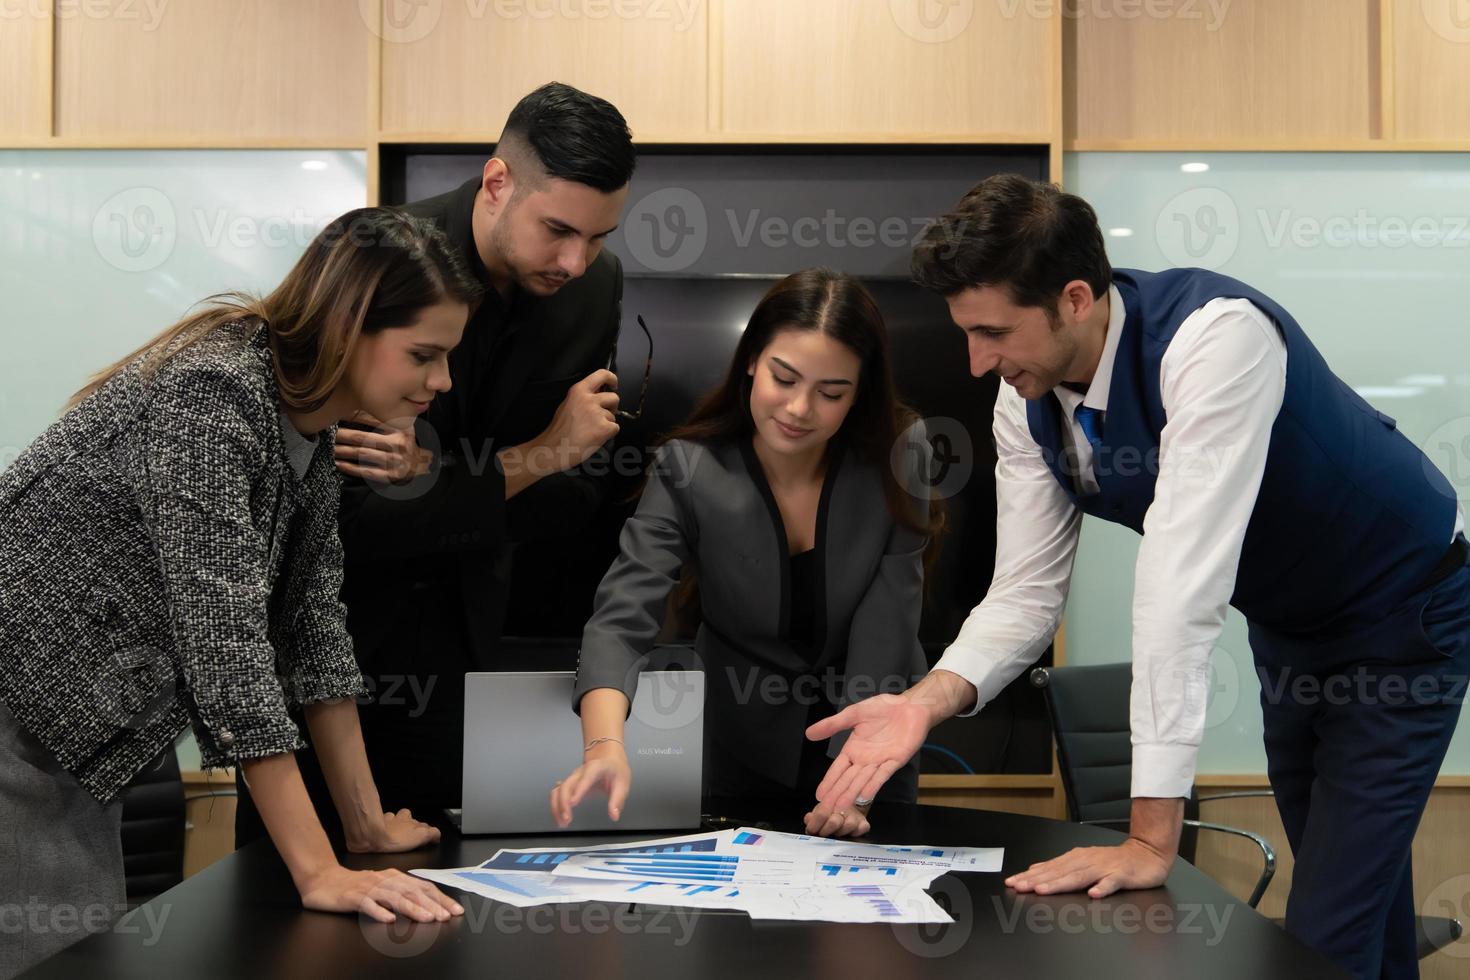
(1222,381)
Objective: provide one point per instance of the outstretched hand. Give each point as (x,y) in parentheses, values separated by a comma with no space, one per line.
(886,731)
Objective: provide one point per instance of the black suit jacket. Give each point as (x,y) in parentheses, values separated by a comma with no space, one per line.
(453,528)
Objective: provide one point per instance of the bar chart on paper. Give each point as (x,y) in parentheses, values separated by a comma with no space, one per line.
(687,867)
(852,873)
(766,874)
(508,860)
(838,855)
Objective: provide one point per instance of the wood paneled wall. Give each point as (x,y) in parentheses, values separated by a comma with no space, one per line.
(1276,70)
(25,74)
(215,70)
(465,74)
(1429,47)
(834,66)
(1090,74)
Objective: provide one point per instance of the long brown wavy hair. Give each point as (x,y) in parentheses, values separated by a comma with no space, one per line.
(842,308)
(368,270)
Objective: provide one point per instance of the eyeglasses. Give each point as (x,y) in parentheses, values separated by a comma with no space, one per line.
(612,365)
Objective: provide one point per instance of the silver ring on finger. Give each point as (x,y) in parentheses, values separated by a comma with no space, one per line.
(862,802)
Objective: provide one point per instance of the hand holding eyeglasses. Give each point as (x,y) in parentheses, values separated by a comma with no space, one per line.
(612,365)
(584,421)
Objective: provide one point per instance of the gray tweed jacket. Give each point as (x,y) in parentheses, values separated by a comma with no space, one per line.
(161,565)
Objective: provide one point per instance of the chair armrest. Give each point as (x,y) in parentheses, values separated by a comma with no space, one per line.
(1268,853)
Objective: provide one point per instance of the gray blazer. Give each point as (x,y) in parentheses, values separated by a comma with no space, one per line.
(161,564)
(710,504)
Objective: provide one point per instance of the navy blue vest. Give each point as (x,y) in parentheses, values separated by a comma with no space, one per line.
(1351,517)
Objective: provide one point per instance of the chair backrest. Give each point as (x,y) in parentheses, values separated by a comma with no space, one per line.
(153,829)
(1090,719)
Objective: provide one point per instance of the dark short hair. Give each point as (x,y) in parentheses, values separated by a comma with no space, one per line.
(575,136)
(1024,235)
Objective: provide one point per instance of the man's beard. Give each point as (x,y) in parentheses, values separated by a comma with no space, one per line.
(531,281)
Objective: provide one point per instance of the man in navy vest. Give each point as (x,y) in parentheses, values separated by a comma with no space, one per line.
(1193,409)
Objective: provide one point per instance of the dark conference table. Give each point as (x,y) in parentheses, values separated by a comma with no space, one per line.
(241,918)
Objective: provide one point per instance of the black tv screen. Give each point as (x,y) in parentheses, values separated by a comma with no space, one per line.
(706,231)
(695,324)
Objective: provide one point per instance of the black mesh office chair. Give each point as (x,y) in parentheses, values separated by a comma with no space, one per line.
(153,829)
(1089,713)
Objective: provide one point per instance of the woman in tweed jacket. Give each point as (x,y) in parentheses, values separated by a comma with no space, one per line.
(169,555)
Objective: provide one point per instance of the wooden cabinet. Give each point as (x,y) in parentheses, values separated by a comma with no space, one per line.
(225,70)
(25,74)
(462,74)
(887,68)
(1429,49)
(1210,72)
(209,818)
(1101,74)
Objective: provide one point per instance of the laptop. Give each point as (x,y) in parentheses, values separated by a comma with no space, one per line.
(521,736)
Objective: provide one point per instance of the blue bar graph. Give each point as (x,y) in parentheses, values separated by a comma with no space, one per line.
(833,870)
(509,862)
(665,875)
(658,867)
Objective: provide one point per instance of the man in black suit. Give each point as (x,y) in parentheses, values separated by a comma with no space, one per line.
(433,508)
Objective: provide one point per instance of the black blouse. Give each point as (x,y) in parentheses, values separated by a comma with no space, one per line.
(802,631)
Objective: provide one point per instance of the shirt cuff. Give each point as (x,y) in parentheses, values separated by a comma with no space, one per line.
(1165,771)
(973,667)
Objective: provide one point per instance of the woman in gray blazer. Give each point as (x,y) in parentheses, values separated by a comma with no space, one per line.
(797,497)
(169,555)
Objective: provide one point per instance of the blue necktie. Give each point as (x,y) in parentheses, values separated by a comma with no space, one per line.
(1091,421)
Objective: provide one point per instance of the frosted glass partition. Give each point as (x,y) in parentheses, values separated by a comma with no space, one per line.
(1371,253)
(99,250)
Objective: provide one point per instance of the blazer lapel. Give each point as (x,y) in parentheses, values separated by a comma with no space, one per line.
(831,512)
